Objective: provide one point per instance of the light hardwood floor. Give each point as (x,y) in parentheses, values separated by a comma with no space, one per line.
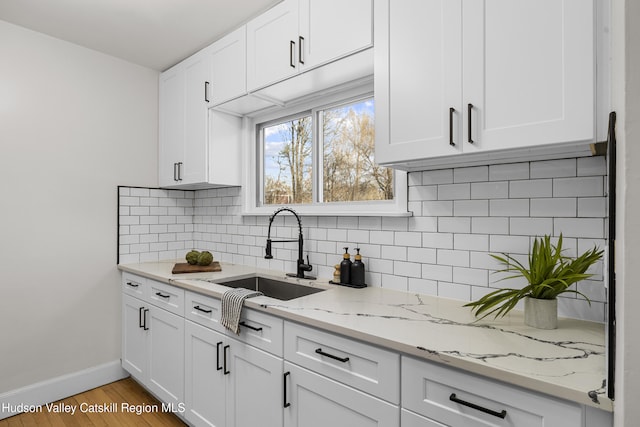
(124,391)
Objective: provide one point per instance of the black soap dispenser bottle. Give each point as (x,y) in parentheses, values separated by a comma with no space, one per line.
(357,271)
(345,268)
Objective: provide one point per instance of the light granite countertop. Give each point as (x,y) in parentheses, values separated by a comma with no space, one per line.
(568,362)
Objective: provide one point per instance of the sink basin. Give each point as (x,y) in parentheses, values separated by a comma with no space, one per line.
(272,288)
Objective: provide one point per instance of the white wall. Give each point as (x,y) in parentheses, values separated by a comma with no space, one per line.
(74,124)
(626,102)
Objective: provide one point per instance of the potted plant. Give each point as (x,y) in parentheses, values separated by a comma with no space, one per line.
(548,275)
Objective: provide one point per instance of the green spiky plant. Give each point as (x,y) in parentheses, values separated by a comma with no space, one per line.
(548,275)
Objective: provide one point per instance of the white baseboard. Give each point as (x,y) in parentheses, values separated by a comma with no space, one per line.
(60,387)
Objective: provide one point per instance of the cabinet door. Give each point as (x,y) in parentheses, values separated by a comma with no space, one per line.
(229,60)
(134,337)
(528,72)
(326,35)
(171,132)
(166,355)
(317,401)
(204,379)
(198,77)
(417,79)
(254,386)
(272,45)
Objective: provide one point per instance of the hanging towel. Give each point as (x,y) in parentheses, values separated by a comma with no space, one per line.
(232,301)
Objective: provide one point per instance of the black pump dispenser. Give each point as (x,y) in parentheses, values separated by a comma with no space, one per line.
(345,268)
(357,270)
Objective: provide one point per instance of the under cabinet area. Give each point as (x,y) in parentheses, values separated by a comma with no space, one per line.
(472,77)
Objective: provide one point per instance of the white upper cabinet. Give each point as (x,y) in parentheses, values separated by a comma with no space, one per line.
(330,29)
(298,35)
(193,138)
(272,41)
(461,76)
(229,76)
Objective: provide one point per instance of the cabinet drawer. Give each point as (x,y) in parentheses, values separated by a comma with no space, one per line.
(260,330)
(133,285)
(409,419)
(166,296)
(365,367)
(203,310)
(430,390)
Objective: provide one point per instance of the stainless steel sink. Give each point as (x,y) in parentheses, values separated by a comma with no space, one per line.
(272,288)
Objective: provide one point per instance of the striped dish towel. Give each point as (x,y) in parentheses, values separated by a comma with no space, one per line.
(232,301)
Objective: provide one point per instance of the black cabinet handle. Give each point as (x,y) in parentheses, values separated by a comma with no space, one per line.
(132,284)
(451,111)
(292,48)
(224,359)
(140,324)
(300,49)
(144,319)
(285,403)
(339,359)
(500,414)
(197,307)
(469,108)
(175,172)
(218,367)
(243,323)
(179,171)
(161,295)
(206,91)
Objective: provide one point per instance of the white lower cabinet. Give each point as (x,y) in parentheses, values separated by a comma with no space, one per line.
(152,349)
(313,400)
(229,383)
(409,419)
(452,398)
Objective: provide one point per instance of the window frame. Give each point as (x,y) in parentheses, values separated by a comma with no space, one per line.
(253,178)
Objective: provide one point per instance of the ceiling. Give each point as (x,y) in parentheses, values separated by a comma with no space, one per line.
(153,33)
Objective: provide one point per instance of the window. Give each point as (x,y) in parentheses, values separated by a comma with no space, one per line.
(321,161)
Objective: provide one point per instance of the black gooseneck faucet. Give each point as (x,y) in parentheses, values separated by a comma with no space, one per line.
(301,266)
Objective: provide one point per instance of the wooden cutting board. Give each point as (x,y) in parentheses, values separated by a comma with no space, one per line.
(183,267)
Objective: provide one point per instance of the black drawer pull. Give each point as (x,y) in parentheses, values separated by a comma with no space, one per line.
(500,414)
(451,111)
(140,323)
(224,359)
(285,403)
(197,307)
(144,319)
(469,109)
(161,295)
(218,367)
(132,284)
(339,359)
(250,327)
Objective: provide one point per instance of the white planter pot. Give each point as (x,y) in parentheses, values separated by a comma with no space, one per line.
(541,313)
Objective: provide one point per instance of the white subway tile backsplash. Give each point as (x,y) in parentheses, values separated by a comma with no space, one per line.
(437,208)
(553,168)
(454,191)
(579,227)
(509,172)
(454,225)
(443,249)
(592,207)
(490,190)
(531,226)
(554,207)
(471,174)
(408,238)
(509,207)
(444,176)
(492,225)
(578,187)
(471,208)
